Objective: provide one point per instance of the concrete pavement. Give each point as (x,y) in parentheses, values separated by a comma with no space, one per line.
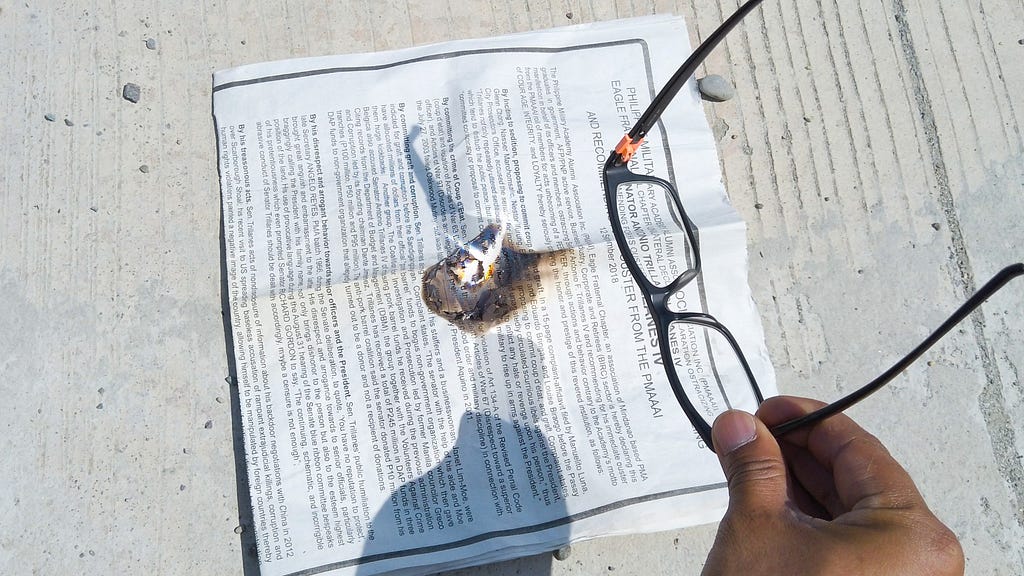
(874,148)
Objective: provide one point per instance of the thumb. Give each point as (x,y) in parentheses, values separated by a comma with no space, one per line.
(752,462)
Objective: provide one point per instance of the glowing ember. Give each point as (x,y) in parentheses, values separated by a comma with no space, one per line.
(481,253)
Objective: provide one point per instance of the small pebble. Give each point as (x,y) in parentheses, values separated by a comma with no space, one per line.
(50,117)
(185,451)
(208,425)
(219,400)
(568,15)
(101,389)
(181,488)
(68,122)
(144,169)
(936,225)
(131,92)
(758,206)
(239,529)
(715,88)
(151,43)
(99,406)
(1021,41)
(563,552)
(230,381)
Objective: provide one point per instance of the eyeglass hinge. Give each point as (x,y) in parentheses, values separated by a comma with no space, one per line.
(626,147)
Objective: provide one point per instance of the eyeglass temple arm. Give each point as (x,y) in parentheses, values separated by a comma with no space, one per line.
(678,80)
(986,291)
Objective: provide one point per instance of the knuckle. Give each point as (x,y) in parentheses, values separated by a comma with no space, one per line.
(756,470)
(945,551)
(932,548)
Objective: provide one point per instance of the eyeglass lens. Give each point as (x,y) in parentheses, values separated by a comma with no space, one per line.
(709,370)
(654,231)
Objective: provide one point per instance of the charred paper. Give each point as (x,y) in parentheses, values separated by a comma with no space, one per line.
(483,282)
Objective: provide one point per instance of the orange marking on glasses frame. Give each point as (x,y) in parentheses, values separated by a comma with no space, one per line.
(626,147)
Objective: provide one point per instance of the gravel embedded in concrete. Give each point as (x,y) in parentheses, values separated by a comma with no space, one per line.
(715,88)
(131,92)
(151,43)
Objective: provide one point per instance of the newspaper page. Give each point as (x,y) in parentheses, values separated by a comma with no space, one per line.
(382,437)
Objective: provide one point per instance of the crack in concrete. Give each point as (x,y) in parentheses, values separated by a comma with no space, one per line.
(991,400)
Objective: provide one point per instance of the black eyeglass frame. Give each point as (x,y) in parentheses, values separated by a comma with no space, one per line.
(616,173)
(657,297)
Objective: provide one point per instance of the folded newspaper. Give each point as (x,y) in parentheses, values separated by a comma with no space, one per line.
(409,406)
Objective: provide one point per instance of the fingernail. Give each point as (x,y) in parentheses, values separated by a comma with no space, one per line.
(733,429)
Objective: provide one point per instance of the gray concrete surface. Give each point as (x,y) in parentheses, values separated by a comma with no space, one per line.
(874,148)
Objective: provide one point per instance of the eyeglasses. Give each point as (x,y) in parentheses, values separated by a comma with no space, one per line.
(706,368)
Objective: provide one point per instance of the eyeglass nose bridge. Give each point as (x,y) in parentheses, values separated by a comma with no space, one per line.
(660,295)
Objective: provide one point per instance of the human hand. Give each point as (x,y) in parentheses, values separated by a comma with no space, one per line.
(825,499)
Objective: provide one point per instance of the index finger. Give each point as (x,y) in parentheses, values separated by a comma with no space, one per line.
(865,474)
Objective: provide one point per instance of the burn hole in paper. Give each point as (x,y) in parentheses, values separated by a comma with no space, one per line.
(484,282)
